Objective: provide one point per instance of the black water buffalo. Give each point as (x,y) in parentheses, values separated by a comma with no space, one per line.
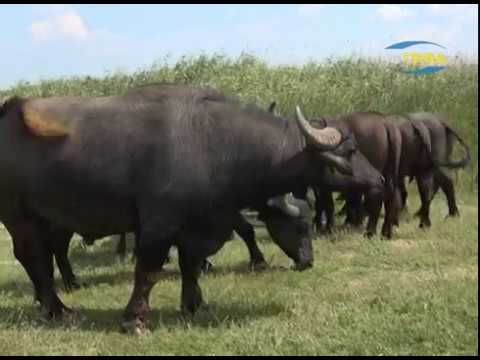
(427,145)
(379,141)
(288,221)
(172,163)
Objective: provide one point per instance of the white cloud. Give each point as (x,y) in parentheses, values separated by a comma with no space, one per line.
(71,24)
(63,22)
(307,9)
(392,13)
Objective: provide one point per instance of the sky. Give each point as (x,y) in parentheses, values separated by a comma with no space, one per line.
(51,41)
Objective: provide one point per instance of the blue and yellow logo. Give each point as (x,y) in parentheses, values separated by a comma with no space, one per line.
(420,63)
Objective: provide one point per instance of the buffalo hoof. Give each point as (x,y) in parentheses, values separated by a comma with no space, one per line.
(455,213)
(425,224)
(57,313)
(386,234)
(258,266)
(188,309)
(191,301)
(135,327)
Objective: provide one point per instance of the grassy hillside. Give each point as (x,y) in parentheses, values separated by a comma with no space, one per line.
(327,88)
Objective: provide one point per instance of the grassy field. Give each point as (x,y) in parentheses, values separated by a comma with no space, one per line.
(414,295)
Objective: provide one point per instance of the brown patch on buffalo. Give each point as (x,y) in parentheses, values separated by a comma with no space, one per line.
(43,124)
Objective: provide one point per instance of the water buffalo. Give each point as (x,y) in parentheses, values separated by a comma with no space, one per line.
(172,163)
(288,221)
(379,141)
(427,145)
(367,179)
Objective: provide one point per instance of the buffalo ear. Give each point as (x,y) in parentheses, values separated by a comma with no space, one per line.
(284,204)
(319,123)
(338,162)
(422,132)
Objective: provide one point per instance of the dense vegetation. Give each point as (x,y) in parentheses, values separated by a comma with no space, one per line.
(324,88)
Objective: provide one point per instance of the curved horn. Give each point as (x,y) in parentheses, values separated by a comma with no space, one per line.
(282,203)
(328,137)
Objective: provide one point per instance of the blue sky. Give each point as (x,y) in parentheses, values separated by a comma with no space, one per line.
(45,41)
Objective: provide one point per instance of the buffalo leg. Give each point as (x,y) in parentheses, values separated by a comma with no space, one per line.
(446,184)
(138,306)
(245,230)
(153,242)
(373,207)
(49,268)
(354,201)
(32,252)
(425,183)
(392,207)
(319,210)
(436,186)
(435,189)
(61,243)
(324,205)
(121,246)
(190,266)
(207,266)
(403,193)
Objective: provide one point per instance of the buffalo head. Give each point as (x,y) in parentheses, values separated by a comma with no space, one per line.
(289,223)
(345,166)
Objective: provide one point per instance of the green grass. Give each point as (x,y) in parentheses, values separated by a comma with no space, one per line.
(414,295)
(322,88)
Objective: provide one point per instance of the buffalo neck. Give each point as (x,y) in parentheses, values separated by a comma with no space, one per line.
(289,173)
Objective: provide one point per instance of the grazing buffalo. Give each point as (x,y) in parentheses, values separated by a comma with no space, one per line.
(427,145)
(288,221)
(174,164)
(379,141)
(367,179)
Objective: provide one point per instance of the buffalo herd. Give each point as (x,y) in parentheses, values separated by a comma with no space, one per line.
(175,165)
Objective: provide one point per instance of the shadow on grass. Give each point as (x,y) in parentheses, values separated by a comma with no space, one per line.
(108,320)
(20,288)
